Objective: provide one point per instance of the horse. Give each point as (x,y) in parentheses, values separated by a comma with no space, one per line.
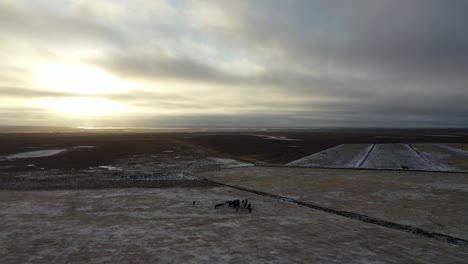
(218,205)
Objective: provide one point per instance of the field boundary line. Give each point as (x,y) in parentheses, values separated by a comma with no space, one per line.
(354,168)
(355,216)
(367,156)
(421,156)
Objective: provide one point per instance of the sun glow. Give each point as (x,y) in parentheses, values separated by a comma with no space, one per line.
(82,106)
(78,79)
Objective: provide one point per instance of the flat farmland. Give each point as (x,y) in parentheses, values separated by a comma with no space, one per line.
(163,225)
(428,157)
(342,156)
(282,146)
(445,157)
(395,156)
(434,201)
(117,197)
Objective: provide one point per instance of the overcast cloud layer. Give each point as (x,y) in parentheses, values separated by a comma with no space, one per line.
(263,63)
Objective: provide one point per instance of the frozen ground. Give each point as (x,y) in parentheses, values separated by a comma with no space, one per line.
(230,163)
(162,225)
(444,157)
(434,201)
(430,157)
(41,153)
(394,156)
(342,156)
(33,154)
(172,165)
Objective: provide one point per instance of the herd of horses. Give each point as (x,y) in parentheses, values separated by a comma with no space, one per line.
(237,204)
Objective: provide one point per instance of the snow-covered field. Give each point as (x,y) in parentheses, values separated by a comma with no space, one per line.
(342,156)
(444,157)
(394,156)
(431,157)
(163,226)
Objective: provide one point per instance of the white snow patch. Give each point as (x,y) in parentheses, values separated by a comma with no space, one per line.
(168,151)
(111,168)
(83,147)
(278,138)
(230,163)
(444,136)
(394,137)
(33,154)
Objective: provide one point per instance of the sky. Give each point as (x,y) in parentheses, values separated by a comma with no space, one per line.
(224,63)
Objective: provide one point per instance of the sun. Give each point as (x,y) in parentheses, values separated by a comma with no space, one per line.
(82,107)
(78,79)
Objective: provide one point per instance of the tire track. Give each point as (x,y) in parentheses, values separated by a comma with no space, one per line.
(358,217)
(365,157)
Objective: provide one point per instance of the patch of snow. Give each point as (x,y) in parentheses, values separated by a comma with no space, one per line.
(33,154)
(444,136)
(168,151)
(230,163)
(395,137)
(83,147)
(111,168)
(278,138)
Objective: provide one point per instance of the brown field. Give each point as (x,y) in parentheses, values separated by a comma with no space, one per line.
(162,226)
(122,195)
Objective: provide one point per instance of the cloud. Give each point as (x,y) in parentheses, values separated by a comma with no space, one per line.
(30,93)
(40,25)
(265,62)
(160,66)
